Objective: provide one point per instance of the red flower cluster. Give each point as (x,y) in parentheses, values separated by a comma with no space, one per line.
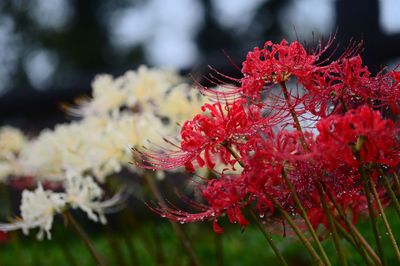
(348,84)
(204,137)
(279,163)
(275,63)
(360,131)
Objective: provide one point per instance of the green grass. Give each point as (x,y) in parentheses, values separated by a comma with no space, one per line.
(153,243)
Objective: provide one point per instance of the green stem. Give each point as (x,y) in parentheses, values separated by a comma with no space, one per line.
(159,250)
(130,221)
(357,236)
(305,217)
(396,182)
(344,105)
(115,247)
(293,114)
(178,230)
(219,249)
(390,191)
(353,242)
(129,242)
(298,232)
(374,222)
(309,247)
(259,225)
(385,221)
(85,238)
(19,258)
(345,234)
(332,226)
(377,260)
(268,237)
(233,153)
(115,242)
(297,124)
(128,236)
(69,257)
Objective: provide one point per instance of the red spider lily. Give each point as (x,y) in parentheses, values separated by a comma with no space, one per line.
(342,182)
(266,154)
(267,147)
(223,196)
(265,157)
(261,179)
(275,63)
(341,135)
(227,195)
(337,82)
(204,137)
(348,84)
(284,166)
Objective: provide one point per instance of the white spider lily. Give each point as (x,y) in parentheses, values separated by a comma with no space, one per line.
(85,194)
(38,207)
(37,210)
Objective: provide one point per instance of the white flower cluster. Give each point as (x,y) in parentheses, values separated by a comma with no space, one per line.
(95,145)
(38,207)
(12,142)
(135,109)
(146,91)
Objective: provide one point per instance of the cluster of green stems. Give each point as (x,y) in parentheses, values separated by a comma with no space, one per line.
(149,178)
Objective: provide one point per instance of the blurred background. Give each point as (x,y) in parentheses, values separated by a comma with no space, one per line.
(51,50)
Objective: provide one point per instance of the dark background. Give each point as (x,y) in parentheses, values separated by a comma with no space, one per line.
(51,50)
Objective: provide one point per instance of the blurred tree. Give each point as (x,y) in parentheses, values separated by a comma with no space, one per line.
(75,38)
(268,19)
(214,39)
(359,20)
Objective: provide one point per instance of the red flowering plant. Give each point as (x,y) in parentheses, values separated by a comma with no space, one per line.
(317,142)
